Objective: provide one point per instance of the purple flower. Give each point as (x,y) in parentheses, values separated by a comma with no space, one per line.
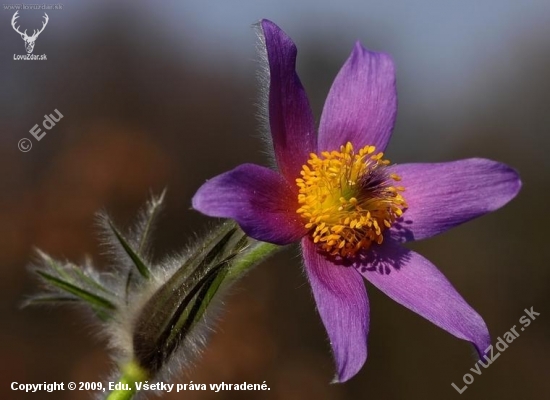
(349,207)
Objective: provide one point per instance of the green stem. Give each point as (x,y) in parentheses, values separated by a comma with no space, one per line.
(131,373)
(242,264)
(256,253)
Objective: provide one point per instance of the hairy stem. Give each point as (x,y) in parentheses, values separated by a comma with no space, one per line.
(131,374)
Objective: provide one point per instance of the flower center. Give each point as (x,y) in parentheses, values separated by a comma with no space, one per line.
(347,199)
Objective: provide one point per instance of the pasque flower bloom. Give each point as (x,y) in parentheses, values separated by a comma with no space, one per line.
(349,207)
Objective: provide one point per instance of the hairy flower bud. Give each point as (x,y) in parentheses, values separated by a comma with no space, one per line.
(179,304)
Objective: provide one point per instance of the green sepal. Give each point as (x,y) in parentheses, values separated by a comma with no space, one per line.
(93,299)
(134,256)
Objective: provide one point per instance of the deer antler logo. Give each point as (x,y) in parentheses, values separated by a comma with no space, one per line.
(29,40)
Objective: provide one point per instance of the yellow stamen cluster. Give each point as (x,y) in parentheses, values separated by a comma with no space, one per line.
(347,199)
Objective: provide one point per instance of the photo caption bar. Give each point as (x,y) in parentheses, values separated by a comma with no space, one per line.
(140,386)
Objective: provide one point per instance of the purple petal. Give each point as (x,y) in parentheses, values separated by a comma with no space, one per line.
(414,282)
(258,198)
(443,195)
(290,118)
(344,308)
(362,103)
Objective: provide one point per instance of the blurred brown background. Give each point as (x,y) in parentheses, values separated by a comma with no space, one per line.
(161,95)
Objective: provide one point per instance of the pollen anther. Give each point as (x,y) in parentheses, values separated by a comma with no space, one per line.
(347,199)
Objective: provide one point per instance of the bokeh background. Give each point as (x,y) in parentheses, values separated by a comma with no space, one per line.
(162,94)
